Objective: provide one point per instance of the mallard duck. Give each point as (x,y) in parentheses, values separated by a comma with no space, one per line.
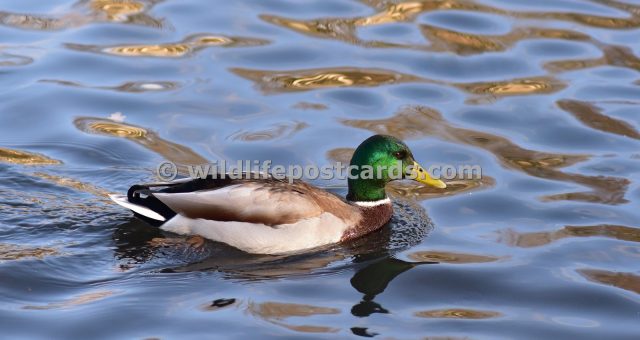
(275,216)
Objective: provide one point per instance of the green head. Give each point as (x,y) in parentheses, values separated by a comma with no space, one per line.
(379,160)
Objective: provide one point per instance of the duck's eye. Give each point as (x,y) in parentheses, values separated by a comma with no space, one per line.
(400,154)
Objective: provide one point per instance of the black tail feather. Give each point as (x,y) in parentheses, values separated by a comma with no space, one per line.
(143,195)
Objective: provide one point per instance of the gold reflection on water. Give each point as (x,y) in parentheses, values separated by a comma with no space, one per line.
(117,10)
(345,28)
(74,184)
(410,189)
(41,22)
(164,50)
(81,299)
(458,313)
(173,152)
(592,116)
(86,12)
(189,45)
(25,158)
(116,129)
(400,12)
(418,122)
(342,155)
(9,252)
(302,80)
(450,257)
(276,313)
(123,11)
(620,56)
(538,239)
(311,79)
(514,87)
(444,40)
(626,281)
(461,43)
(340,29)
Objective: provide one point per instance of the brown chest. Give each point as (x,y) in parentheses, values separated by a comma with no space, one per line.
(372,219)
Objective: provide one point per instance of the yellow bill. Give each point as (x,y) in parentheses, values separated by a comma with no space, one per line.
(417,173)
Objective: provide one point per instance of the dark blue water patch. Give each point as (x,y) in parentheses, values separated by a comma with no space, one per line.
(582,139)
(478,207)
(591,249)
(467,69)
(467,21)
(275,56)
(614,73)
(443,286)
(282,155)
(424,94)
(608,92)
(188,14)
(356,100)
(608,166)
(544,128)
(310,9)
(92,68)
(545,49)
(23,113)
(626,111)
(537,186)
(395,33)
(498,119)
(109,33)
(487,207)
(433,151)
(12,36)
(32,6)
(627,39)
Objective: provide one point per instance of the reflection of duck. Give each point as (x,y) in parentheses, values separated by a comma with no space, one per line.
(270,216)
(373,280)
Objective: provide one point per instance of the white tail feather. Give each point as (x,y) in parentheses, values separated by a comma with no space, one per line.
(144,211)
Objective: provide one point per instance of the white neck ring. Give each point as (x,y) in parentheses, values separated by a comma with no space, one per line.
(372,203)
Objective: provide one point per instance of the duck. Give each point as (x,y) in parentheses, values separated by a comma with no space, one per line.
(269,215)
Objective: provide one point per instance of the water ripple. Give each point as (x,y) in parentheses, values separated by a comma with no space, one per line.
(186,47)
(627,281)
(25,157)
(85,12)
(539,239)
(458,313)
(303,80)
(176,153)
(131,87)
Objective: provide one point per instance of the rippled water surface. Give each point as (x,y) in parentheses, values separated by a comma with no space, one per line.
(544,95)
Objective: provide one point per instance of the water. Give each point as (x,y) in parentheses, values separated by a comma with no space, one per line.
(543,95)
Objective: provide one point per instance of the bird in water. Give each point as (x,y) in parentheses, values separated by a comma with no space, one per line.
(271,215)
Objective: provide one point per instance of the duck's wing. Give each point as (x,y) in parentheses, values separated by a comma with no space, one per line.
(266,201)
